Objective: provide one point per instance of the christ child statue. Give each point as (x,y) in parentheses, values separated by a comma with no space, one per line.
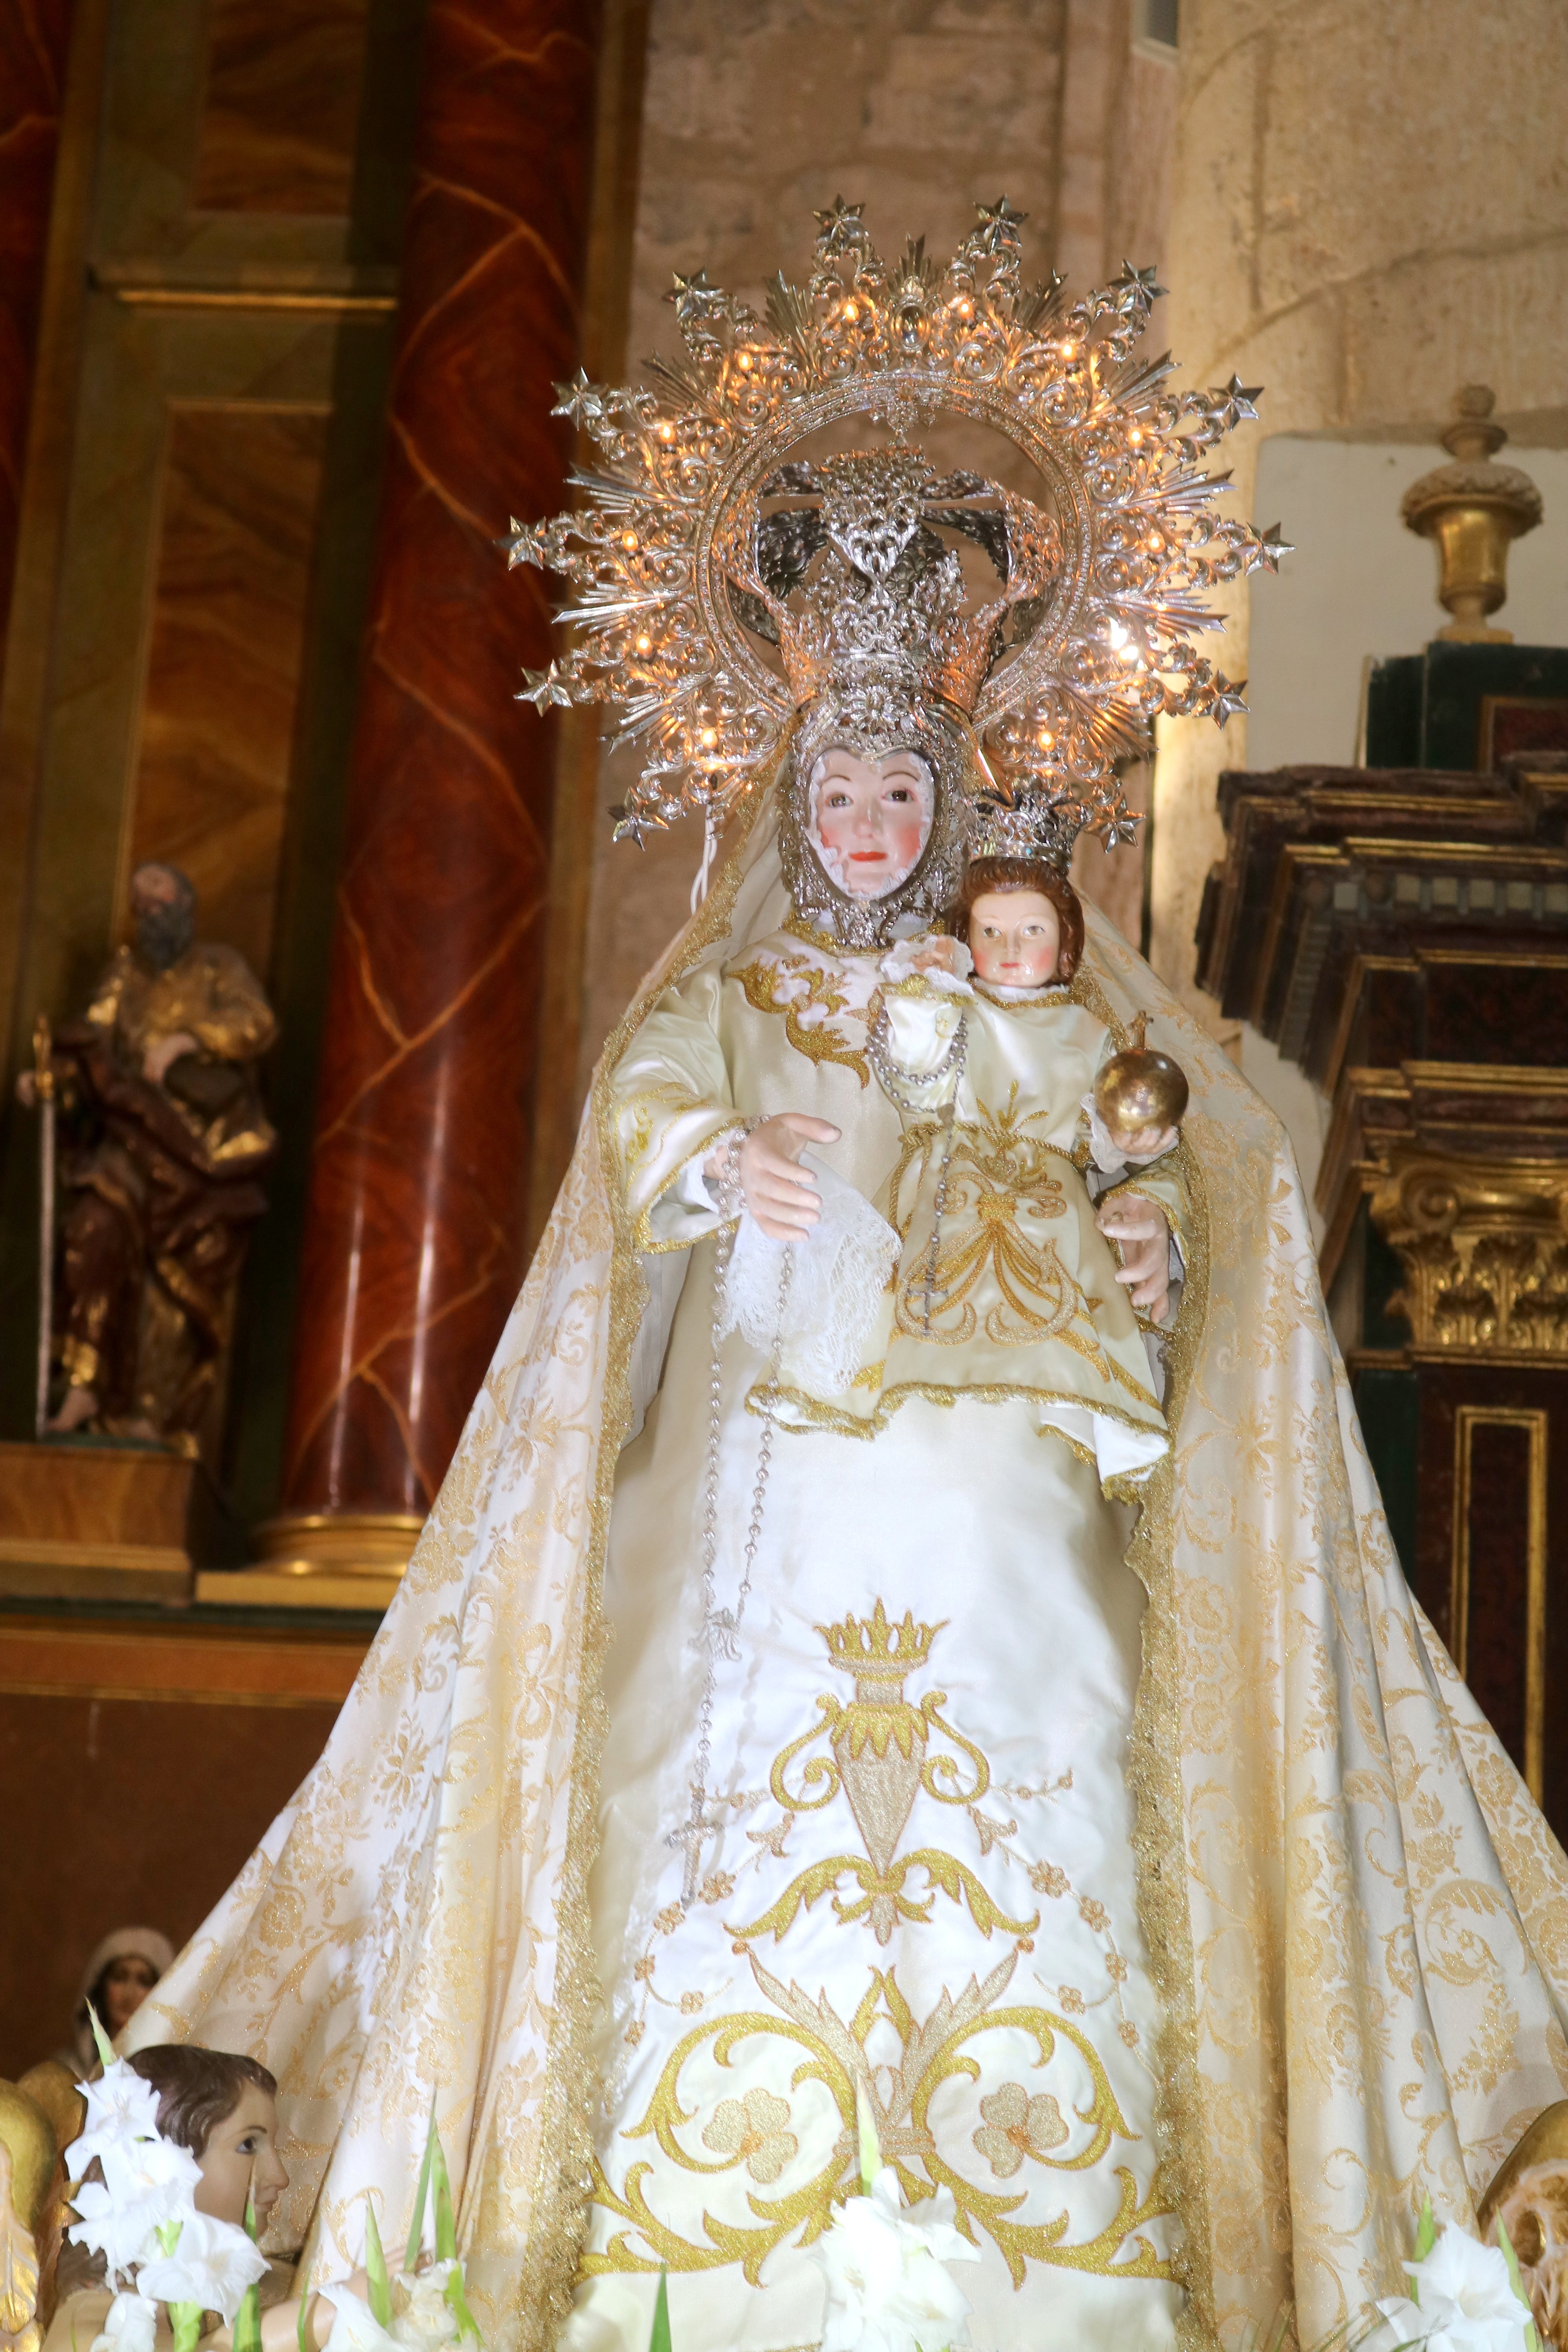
(1023,925)
(1031,1262)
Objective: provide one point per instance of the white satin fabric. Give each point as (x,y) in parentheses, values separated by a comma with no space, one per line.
(962,2027)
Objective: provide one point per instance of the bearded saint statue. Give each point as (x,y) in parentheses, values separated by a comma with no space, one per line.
(883,1653)
(164,1182)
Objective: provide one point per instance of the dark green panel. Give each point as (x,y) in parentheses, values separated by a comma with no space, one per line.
(1424,710)
(1383,1325)
(1389,1406)
(1394,712)
(1458,681)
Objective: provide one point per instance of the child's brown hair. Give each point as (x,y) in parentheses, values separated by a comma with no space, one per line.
(197,2089)
(984,876)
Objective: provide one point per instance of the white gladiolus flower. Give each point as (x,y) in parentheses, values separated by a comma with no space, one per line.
(120,2109)
(146,2181)
(1466,2302)
(426,2323)
(120,2232)
(131,2325)
(211,2265)
(356,2327)
(888,2287)
(151,2172)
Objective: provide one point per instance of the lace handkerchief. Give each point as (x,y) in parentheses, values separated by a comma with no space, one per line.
(838,1272)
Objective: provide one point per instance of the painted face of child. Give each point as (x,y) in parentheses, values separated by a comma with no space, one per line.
(1014,937)
(871,820)
(241,2158)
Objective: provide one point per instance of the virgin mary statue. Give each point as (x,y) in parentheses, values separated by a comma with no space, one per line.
(880,1659)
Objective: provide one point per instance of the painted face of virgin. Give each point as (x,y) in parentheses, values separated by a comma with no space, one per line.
(871,818)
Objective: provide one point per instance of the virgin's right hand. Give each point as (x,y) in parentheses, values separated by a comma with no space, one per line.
(778,1191)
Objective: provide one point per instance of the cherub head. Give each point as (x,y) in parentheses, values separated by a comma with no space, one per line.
(1021,920)
(223,2107)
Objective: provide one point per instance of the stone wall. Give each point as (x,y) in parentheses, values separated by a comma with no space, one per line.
(1370,208)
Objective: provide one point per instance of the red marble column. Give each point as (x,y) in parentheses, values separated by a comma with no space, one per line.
(34,38)
(413,1245)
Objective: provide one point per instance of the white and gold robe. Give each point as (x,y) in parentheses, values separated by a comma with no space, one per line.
(1352,1916)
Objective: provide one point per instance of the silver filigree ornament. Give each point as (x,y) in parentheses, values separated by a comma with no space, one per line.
(719,591)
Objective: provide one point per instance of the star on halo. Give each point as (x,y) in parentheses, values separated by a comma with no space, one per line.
(1136,289)
(519,545)
(578,399)
(1269,549)
(1241,402)
(694,294)
(544,687)
(1227,703)
(629,826)
(998,229)
(840,225)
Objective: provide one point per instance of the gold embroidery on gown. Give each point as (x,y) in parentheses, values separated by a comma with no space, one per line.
(914,1890)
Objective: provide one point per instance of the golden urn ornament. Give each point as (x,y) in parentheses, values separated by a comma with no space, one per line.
(1472,509)
(1140,1089)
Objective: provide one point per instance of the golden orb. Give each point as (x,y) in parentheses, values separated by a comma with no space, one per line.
(1139,1088)
(1545,2143)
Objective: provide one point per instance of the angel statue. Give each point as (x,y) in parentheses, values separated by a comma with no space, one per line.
(909,1645)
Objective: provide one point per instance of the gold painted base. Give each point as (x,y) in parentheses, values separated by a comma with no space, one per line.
(339,1559)
(37,1569)
(1475,632)
(105,1522)
(265,1588)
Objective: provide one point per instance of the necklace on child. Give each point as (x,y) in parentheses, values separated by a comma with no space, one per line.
(907,1089)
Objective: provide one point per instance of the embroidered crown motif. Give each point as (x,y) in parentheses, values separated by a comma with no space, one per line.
(879,1647)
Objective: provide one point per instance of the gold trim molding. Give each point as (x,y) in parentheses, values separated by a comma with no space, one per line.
(338,1543)
(1533,1421)
(338,1560)
(340,291)
(252,297)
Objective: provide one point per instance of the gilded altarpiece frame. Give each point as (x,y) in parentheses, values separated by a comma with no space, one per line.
(224,304)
